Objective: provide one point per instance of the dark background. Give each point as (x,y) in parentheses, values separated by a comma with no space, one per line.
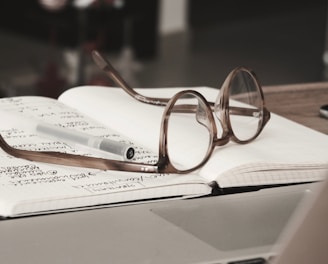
(283,41)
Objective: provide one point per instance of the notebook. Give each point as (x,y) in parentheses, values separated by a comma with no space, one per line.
(231,229)
(284,153)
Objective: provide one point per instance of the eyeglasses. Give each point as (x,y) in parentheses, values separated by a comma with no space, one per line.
(189,129)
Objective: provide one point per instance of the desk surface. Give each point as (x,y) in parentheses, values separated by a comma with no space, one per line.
(299,102)
(102,235)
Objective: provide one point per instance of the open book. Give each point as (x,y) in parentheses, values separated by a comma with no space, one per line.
(285,152)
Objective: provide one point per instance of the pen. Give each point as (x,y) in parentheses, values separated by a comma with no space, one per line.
(115,147)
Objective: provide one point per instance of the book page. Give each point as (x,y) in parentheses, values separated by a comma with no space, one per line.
(27,187)
(284,152)
(133,119)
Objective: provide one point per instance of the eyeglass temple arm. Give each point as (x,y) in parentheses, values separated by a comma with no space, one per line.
(110,71)
(75,160)
(254,112)
(233,110)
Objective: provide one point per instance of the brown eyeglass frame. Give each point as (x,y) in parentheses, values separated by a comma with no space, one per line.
(164,165)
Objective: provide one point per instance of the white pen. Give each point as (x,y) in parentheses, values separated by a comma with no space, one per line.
(115,147)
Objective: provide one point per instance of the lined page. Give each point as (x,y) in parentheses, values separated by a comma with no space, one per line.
(27,187)
(284,152)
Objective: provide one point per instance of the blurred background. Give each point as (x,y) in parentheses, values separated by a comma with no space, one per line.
(46,44)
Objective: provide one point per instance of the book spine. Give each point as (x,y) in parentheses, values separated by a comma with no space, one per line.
(217,190)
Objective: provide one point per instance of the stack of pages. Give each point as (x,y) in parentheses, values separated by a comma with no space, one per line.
(284,153)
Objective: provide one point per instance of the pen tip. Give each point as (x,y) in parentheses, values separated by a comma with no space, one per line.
(99,60)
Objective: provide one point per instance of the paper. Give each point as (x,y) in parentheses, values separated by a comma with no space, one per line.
(30,187)
(283,144)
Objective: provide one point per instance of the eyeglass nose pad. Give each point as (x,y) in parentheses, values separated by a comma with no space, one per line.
(218,106)
(201,116)
(217,111)
(218,114)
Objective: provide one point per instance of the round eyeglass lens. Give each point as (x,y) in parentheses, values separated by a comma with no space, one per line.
(245,106)
(189,132)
